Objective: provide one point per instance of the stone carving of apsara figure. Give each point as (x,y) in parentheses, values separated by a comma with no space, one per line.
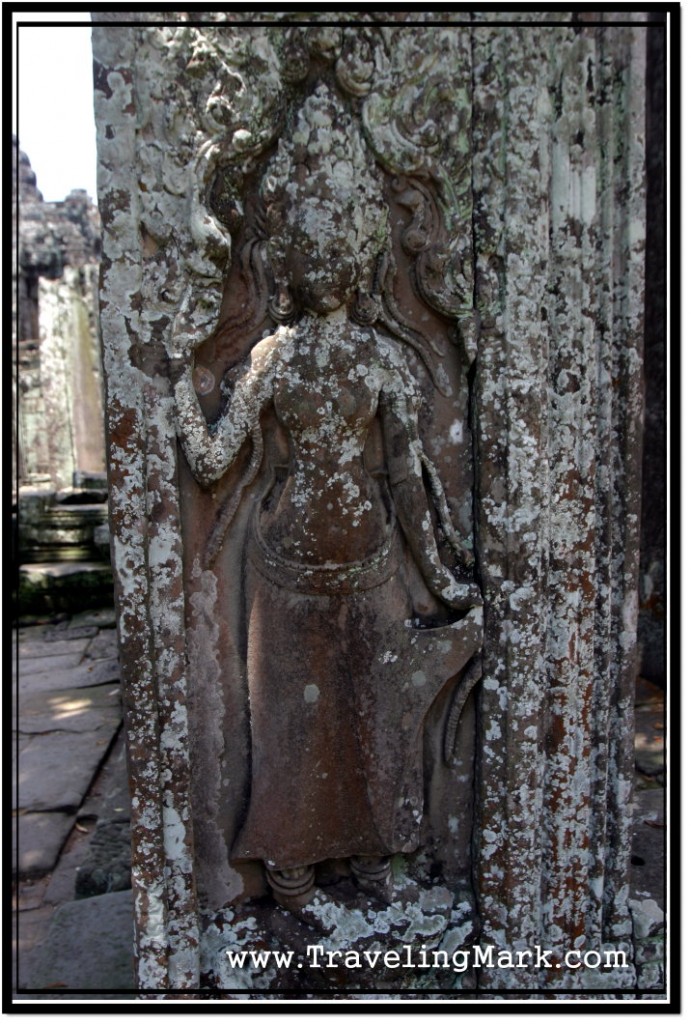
(341,566)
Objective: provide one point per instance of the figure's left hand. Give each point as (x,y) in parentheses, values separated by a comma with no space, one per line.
(460,596)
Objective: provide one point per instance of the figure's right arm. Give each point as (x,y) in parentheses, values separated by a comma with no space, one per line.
(211,449)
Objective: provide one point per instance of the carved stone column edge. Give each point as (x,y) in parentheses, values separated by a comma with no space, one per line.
(628,201)
(145,546)
(511,226)
(597,265)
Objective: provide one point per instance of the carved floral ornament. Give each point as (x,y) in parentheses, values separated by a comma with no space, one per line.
(249,88)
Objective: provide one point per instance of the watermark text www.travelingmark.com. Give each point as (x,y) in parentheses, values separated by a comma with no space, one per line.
(421,958)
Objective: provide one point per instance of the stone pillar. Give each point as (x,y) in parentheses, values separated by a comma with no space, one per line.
(510,166)
(560,234)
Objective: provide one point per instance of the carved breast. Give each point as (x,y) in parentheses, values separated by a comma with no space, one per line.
(320,396)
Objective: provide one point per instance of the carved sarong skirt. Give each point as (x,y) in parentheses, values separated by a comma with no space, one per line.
(336,738)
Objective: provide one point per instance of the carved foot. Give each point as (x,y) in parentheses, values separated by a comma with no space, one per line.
(292,888)
(373,876)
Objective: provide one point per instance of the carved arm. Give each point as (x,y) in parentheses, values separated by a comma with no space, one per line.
(404,457)
(211,449)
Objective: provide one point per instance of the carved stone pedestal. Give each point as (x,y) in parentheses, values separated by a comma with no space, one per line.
(344,942)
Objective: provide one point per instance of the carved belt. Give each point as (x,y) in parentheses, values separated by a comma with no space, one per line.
(330,578)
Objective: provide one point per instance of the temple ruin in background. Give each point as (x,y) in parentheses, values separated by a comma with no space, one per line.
(58,441)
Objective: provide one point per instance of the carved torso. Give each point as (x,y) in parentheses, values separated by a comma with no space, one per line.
(330,509)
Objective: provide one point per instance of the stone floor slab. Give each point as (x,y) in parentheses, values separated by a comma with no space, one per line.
(89,673)
(56,769)
(31,895)
(39,838)
(104,644)
(31,632)
(42,665)
(66,631)
(81,709)
(31,928)
(62,882)
(88,946)
(109,797)
(43,648)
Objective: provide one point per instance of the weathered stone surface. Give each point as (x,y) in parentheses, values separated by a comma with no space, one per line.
(71,386)
(515,186)
(39,837)
(652,622)
(411,929)
(558,149)
(648,918)
(88,946)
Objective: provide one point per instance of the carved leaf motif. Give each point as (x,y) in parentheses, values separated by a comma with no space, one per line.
(355,66)
(416,122)
(221,106)
(225,104)
(295,59)
(324,41)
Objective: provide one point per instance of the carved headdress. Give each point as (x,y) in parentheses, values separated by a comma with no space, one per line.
(323,183)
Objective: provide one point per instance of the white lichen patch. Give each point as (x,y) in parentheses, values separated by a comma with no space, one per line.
(456,433)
